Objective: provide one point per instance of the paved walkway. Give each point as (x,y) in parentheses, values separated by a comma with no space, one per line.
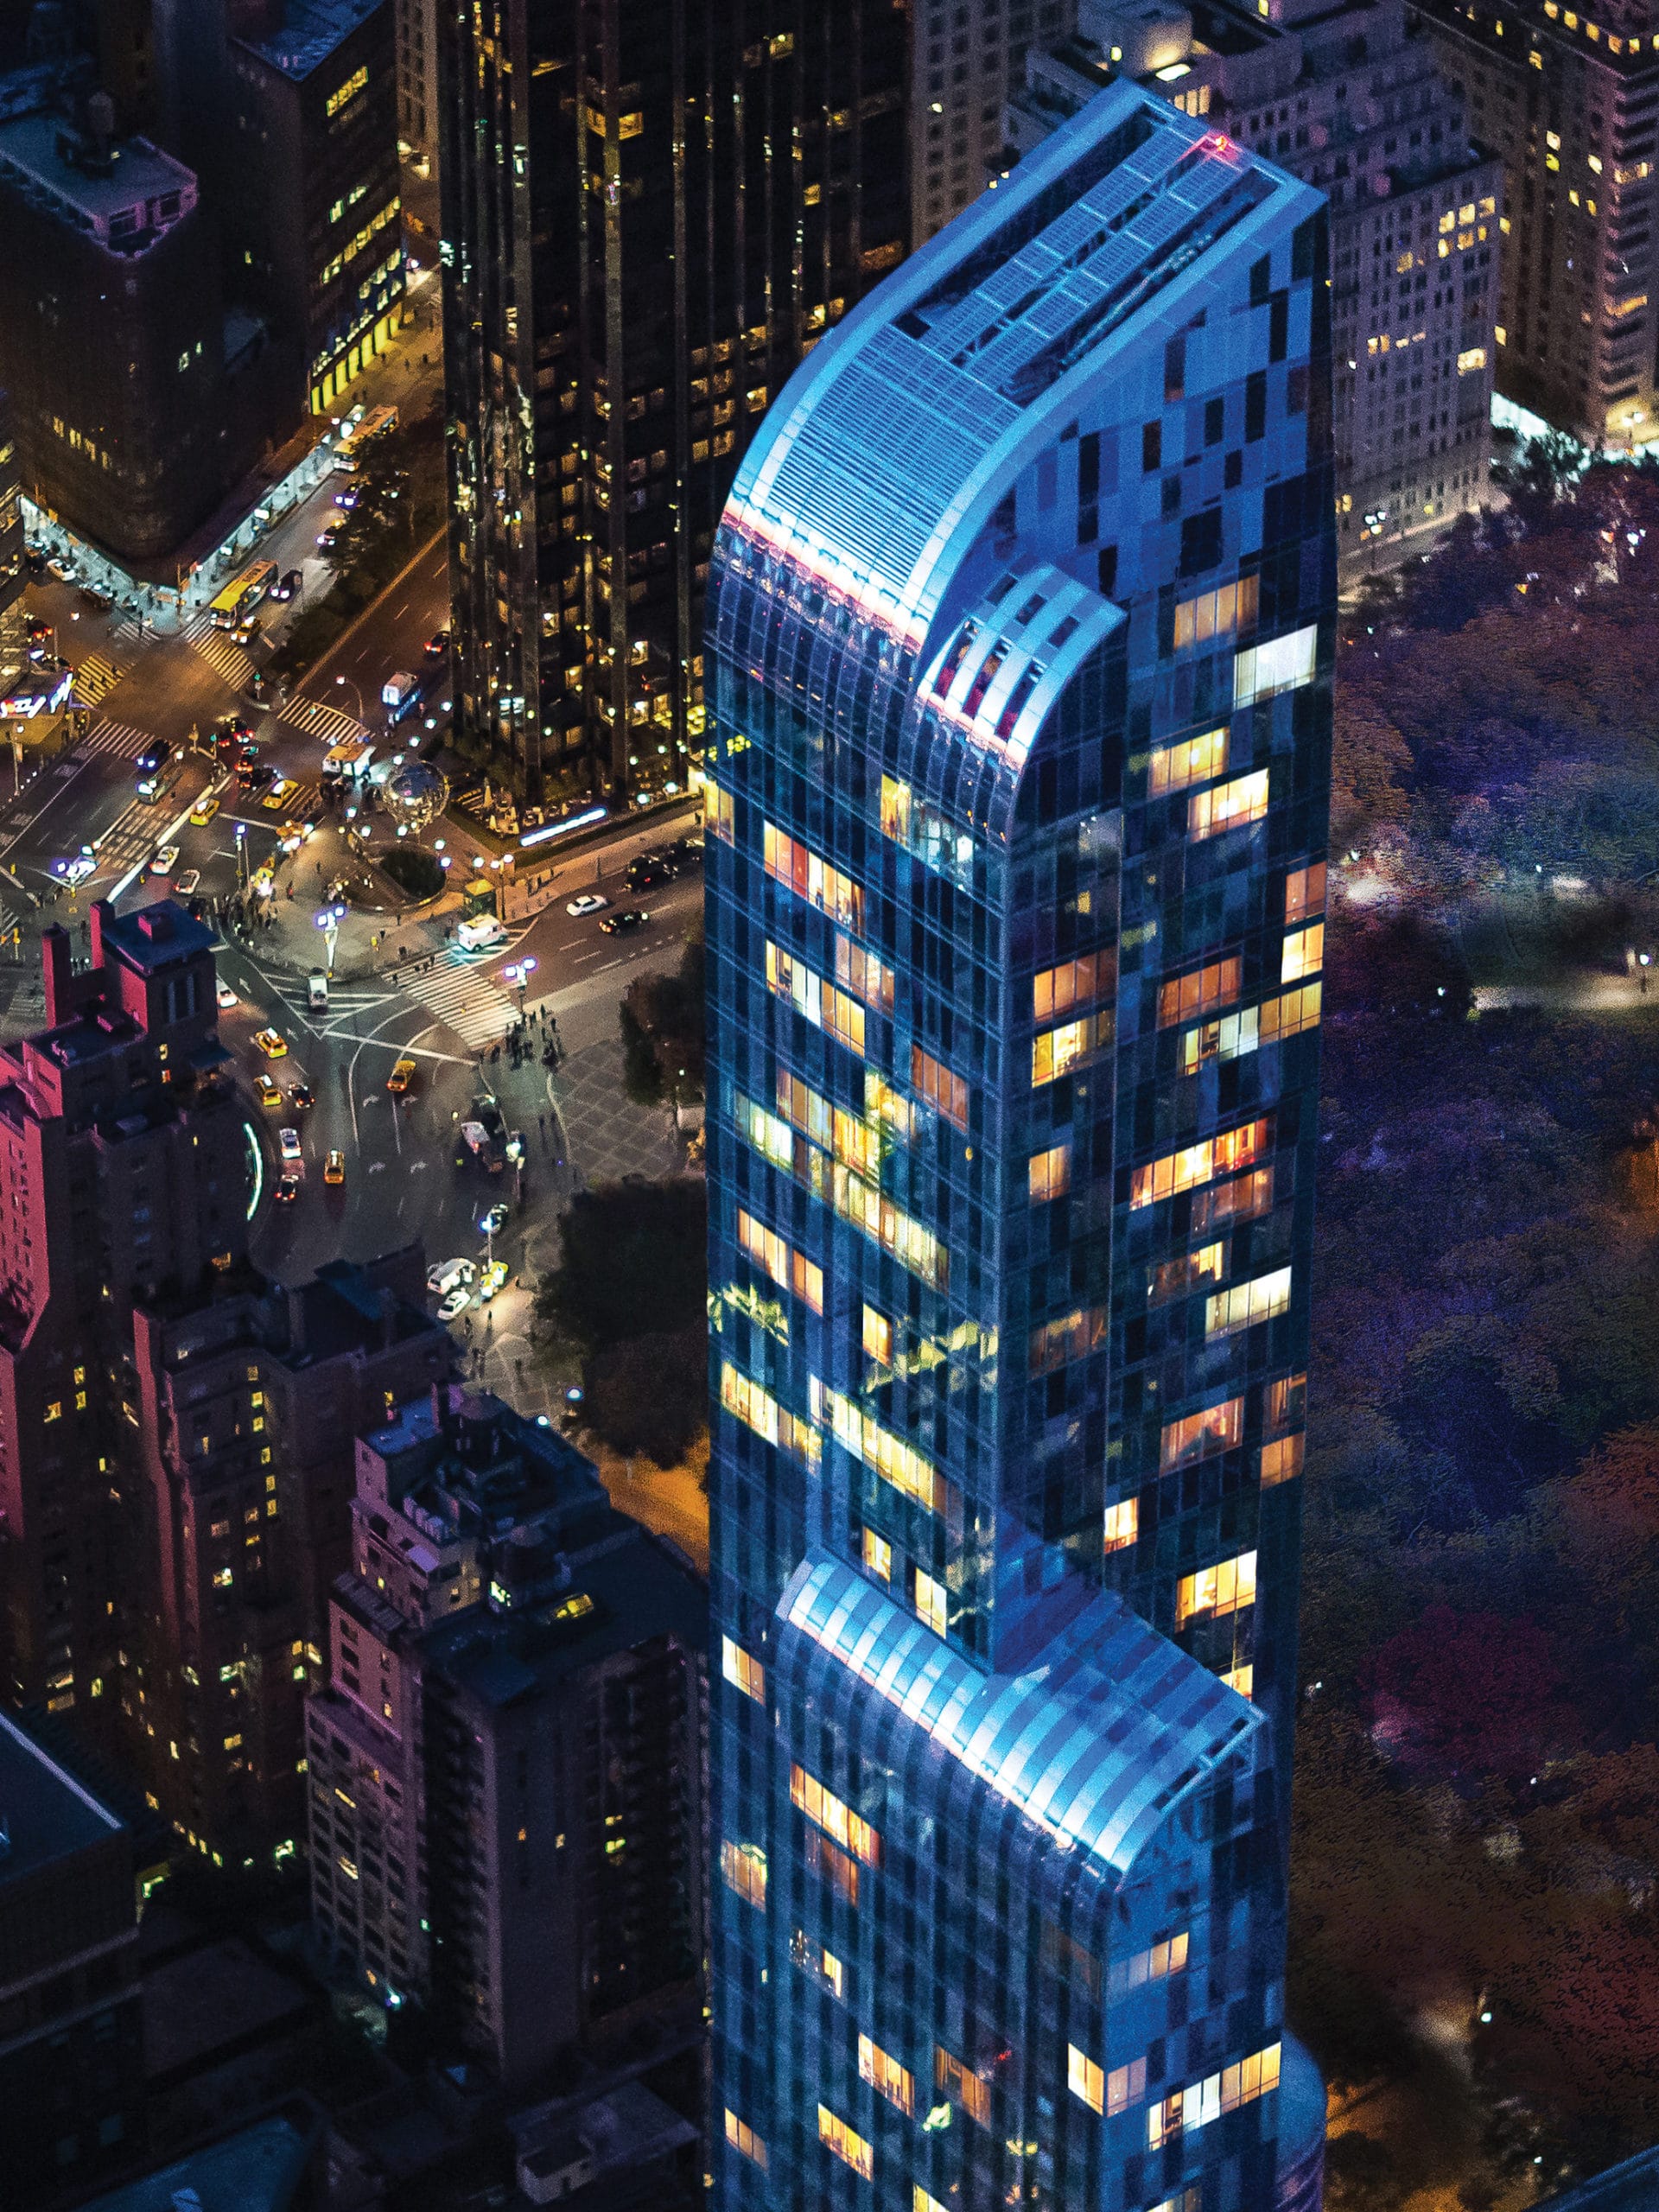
(609,1135)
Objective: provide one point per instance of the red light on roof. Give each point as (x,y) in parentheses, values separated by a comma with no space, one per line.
(1217,142)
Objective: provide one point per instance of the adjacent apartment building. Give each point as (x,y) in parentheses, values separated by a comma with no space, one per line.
(647,219)
(506,1768)
(1022,636)
(1351,99)
(1569,103)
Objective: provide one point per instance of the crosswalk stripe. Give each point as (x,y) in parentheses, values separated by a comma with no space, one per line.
(120,738)
(312,718)
(226,659)
(95,678)
(467,1002)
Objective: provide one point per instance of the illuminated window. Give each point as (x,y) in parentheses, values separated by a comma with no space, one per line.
(222,1579)
(1241,1678)
(1107,2094)
(1074,983)
(1241,1200)
(1056,1344)
(938,1086)
(961,2083)
(1194,760)
(895,811)
(1171,1277)
(345,93)
(717,810)
(886,2075)
(791,1269)
(1227,806)
(1303,954)
(1122,1523)
(812,879)
(865,975)
(1282,665)
(825,1006)
(1474,357)
(921,2202)
(1304,891)
(1247,1303)
(742,2137)
(1216,614)
(1207,2100)
(761,1411)
(1155,1965)
(1184,996)
(1195,1436)
(930,1602)
(1284,1403)
(54,1412)
(1197,1163)
(878,1555)
(1049,1173)
(878,1337)
(1226,1587)
(837,1818)
(1282,1460)
(1057,1051)
(1275,1022)
(837,1866)
(742,1671)
(824,1965)
(743,1868)
(850,2148)
(893,1459)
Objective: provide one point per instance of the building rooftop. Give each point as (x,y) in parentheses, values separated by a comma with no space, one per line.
(258,2170)
(345,1309)
(126,195)
(892,445)
(310,32)
(628,1589)
(156,936)
(46,1814)
(1097,1746)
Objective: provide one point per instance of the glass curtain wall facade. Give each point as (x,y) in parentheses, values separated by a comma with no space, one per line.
(1020,640)
(651,210)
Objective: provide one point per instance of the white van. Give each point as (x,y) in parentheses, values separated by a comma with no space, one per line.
(319,989)
(480,933)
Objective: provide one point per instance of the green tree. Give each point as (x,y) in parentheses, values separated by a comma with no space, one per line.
(632,1262)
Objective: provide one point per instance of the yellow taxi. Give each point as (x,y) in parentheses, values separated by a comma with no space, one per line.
(266,1092)
(279,795)
(271,1043)
(203,810)
(334,1168)
(400,1078)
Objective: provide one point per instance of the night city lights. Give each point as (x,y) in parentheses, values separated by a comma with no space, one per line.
(828,1143)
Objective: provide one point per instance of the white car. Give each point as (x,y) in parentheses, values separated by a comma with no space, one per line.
(78,870)
(165,862)
(591,902)
(455,1305)
(288,1142)
(492,1222)
(227,998)
(445,1277)
(186,883)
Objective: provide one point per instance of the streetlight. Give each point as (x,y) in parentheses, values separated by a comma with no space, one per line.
(520,972)
(357,693)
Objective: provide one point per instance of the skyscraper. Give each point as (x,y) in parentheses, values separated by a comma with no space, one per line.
(649,214)
(1020,642)
(1349,97)
(1571,106)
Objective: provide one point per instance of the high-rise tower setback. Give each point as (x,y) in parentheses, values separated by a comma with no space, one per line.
(1020,639)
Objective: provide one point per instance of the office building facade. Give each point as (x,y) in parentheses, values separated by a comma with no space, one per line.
(1021,636)
(1352,100)
(312,91)
(506,1802)
(112,328)
(1570,106)
(967,59)
(648,217)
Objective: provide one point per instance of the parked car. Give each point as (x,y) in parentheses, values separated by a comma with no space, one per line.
(454,1305)
(444,1277)
(590,902)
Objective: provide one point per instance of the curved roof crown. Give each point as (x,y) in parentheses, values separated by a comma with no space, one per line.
(886,452)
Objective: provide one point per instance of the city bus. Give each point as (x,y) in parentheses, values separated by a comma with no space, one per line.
(238,599)
(357,435)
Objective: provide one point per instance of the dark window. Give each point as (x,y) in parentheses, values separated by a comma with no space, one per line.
(1172,496)
(1106,569)
(1233,474)
(1262,282)
(1214,420)
(1151,447)
(1201,542)
(1296,391)
(1279,327)
(1255,405)
(1175,368)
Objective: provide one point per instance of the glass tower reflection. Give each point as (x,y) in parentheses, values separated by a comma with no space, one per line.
(1019,651)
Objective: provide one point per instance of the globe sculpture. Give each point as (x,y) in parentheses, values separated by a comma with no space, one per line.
(415,795)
